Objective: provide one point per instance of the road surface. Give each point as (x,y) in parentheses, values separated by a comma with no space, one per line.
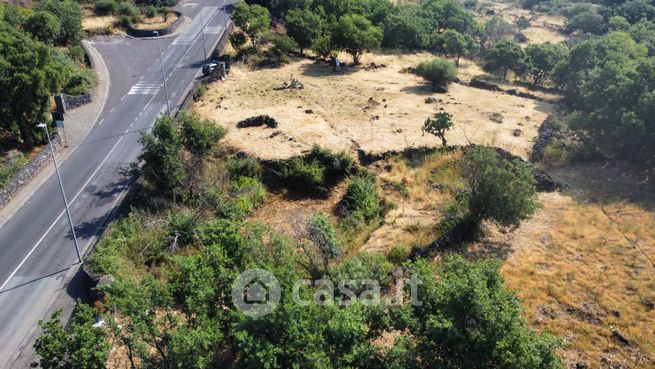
(35,243)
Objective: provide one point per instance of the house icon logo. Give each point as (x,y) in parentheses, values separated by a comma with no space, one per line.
(256,292)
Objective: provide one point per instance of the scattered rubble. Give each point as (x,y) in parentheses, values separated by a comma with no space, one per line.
(257,121)
(293,84)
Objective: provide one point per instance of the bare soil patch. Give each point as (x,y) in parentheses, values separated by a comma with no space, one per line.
(378,110)
(156,22)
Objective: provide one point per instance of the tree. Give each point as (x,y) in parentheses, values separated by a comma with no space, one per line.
(407,28)
(504,56)
(69,14)
(439,72)
(498,190)
(320,232)
(43,26)
(495,29)
(82,346)
(30,75)
(543,58)
(305,26)
(237,39)
(454,43)
(356,34)
(325,48)
(163,167)
(469,319)
(437,125)
(252,19)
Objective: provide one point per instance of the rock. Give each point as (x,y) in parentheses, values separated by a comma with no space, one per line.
(257,121)
(478,83)
(275,133)
(430,100)
(373,65)
(547,132)
(650,305)
(309,111)
(495,117)
(517,132)
(520,38)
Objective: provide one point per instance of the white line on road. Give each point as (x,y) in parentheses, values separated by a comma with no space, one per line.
(60,215)
(103,119)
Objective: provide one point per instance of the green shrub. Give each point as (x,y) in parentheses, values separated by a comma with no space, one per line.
(249,193)
(316,170)
(124,21)
(127,9)
(150,11)
(398,254)
(105,7)
(80,82)
(238,40)
(366,266)
(10,167)
(555,153)
(76,53)
(182,229)
(303,174)
(362,201)
(244,167)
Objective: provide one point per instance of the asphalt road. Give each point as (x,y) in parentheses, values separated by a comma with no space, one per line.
(36,247)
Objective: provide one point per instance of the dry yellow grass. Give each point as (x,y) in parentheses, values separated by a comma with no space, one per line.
(156,22)
(376,110)
(418,186)
(583,265)
(543,27)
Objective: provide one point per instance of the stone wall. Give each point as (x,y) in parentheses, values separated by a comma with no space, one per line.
(28,171)
(75,101)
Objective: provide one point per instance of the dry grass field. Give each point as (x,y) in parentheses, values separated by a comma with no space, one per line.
(374,110)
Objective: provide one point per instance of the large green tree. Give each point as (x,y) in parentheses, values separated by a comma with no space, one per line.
(356,34)
(30,74)
(252,19)
(163,167)
(43,26)
(504,56)
(305,26)
(454,43)
(497,190)
(543,58)
(81,346)
(69,14)
(468,319)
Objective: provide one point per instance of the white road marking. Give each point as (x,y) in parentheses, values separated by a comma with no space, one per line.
(60,215)
(103,119)
(145,88)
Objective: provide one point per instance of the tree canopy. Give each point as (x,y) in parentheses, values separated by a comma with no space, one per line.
(504,56)
(355,34)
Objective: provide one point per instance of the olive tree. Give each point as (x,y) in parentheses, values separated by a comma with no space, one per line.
(497,190)
(355,34)
(437,125)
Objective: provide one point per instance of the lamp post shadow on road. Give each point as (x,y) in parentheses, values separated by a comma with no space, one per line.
(63,193)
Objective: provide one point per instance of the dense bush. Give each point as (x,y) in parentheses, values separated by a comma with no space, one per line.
(366,266)
(43,26)
(69,14)
(9,167)
(498,190)
(362,201)
(80,82)
(317,169)
(127,9)
(105,7)
(244,167)
(439,72)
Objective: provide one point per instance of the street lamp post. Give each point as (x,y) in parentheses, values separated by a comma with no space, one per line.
(63,194)
(163,75)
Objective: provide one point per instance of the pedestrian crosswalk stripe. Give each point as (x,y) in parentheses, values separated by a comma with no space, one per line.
(145,88)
